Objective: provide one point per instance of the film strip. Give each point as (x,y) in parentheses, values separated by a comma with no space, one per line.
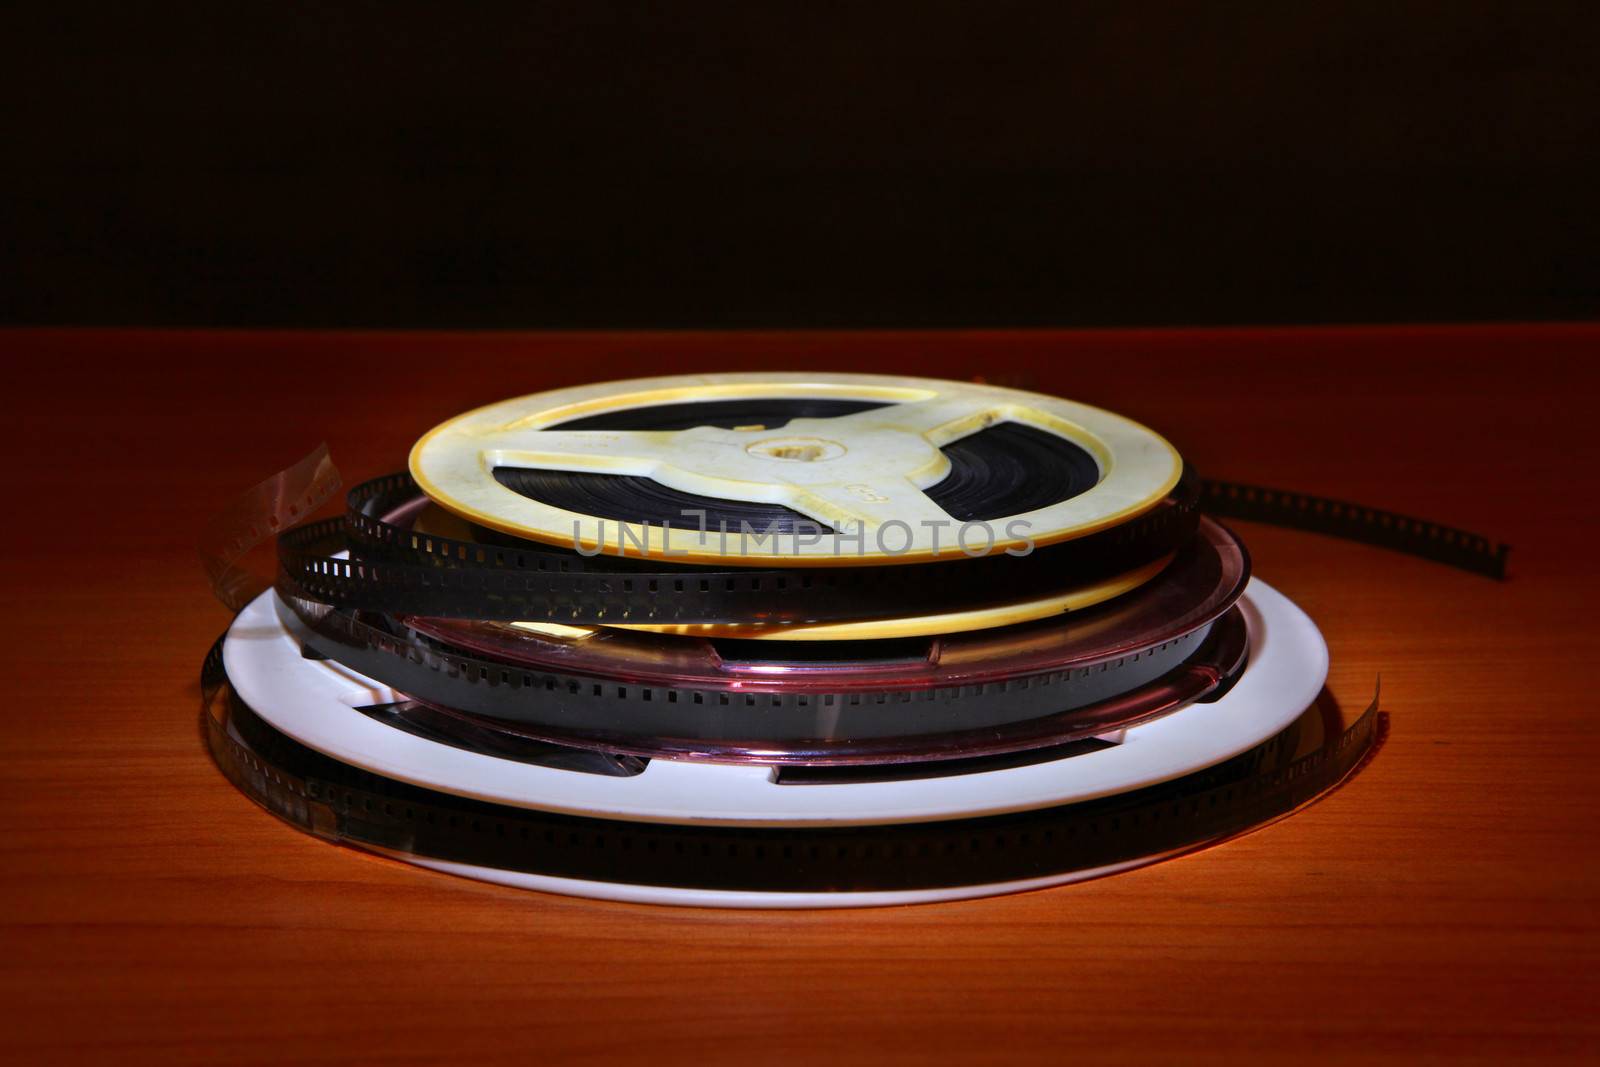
(340,803)
(266,510)
(855,725)
(944,697)
(403,573)
(392,569)
(1354,522)
(398,571)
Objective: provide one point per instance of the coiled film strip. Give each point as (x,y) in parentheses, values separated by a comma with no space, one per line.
(882,725)
(458,579)
(398,571)
(393,569)
(1034,684)
(340,803)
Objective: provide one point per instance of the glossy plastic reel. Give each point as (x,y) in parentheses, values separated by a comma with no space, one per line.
(711,835)
(1202,581)
(866,471)
(315,702)
(997,691)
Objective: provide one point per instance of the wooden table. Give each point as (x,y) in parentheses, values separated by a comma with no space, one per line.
(1442,903)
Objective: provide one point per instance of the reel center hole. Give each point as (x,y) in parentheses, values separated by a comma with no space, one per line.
(797,449)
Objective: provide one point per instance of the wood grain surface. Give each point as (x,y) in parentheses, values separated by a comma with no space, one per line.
(1441,904)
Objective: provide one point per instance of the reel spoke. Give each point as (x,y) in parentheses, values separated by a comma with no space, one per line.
(871,505)
(637,452)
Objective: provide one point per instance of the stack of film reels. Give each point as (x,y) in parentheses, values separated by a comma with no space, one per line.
(779,640)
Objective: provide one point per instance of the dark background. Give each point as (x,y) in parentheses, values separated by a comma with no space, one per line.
(630,165)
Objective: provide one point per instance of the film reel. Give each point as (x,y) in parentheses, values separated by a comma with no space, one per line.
(715,835)
(833,456)
(1002,690)
(317,701)
(1201,584)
